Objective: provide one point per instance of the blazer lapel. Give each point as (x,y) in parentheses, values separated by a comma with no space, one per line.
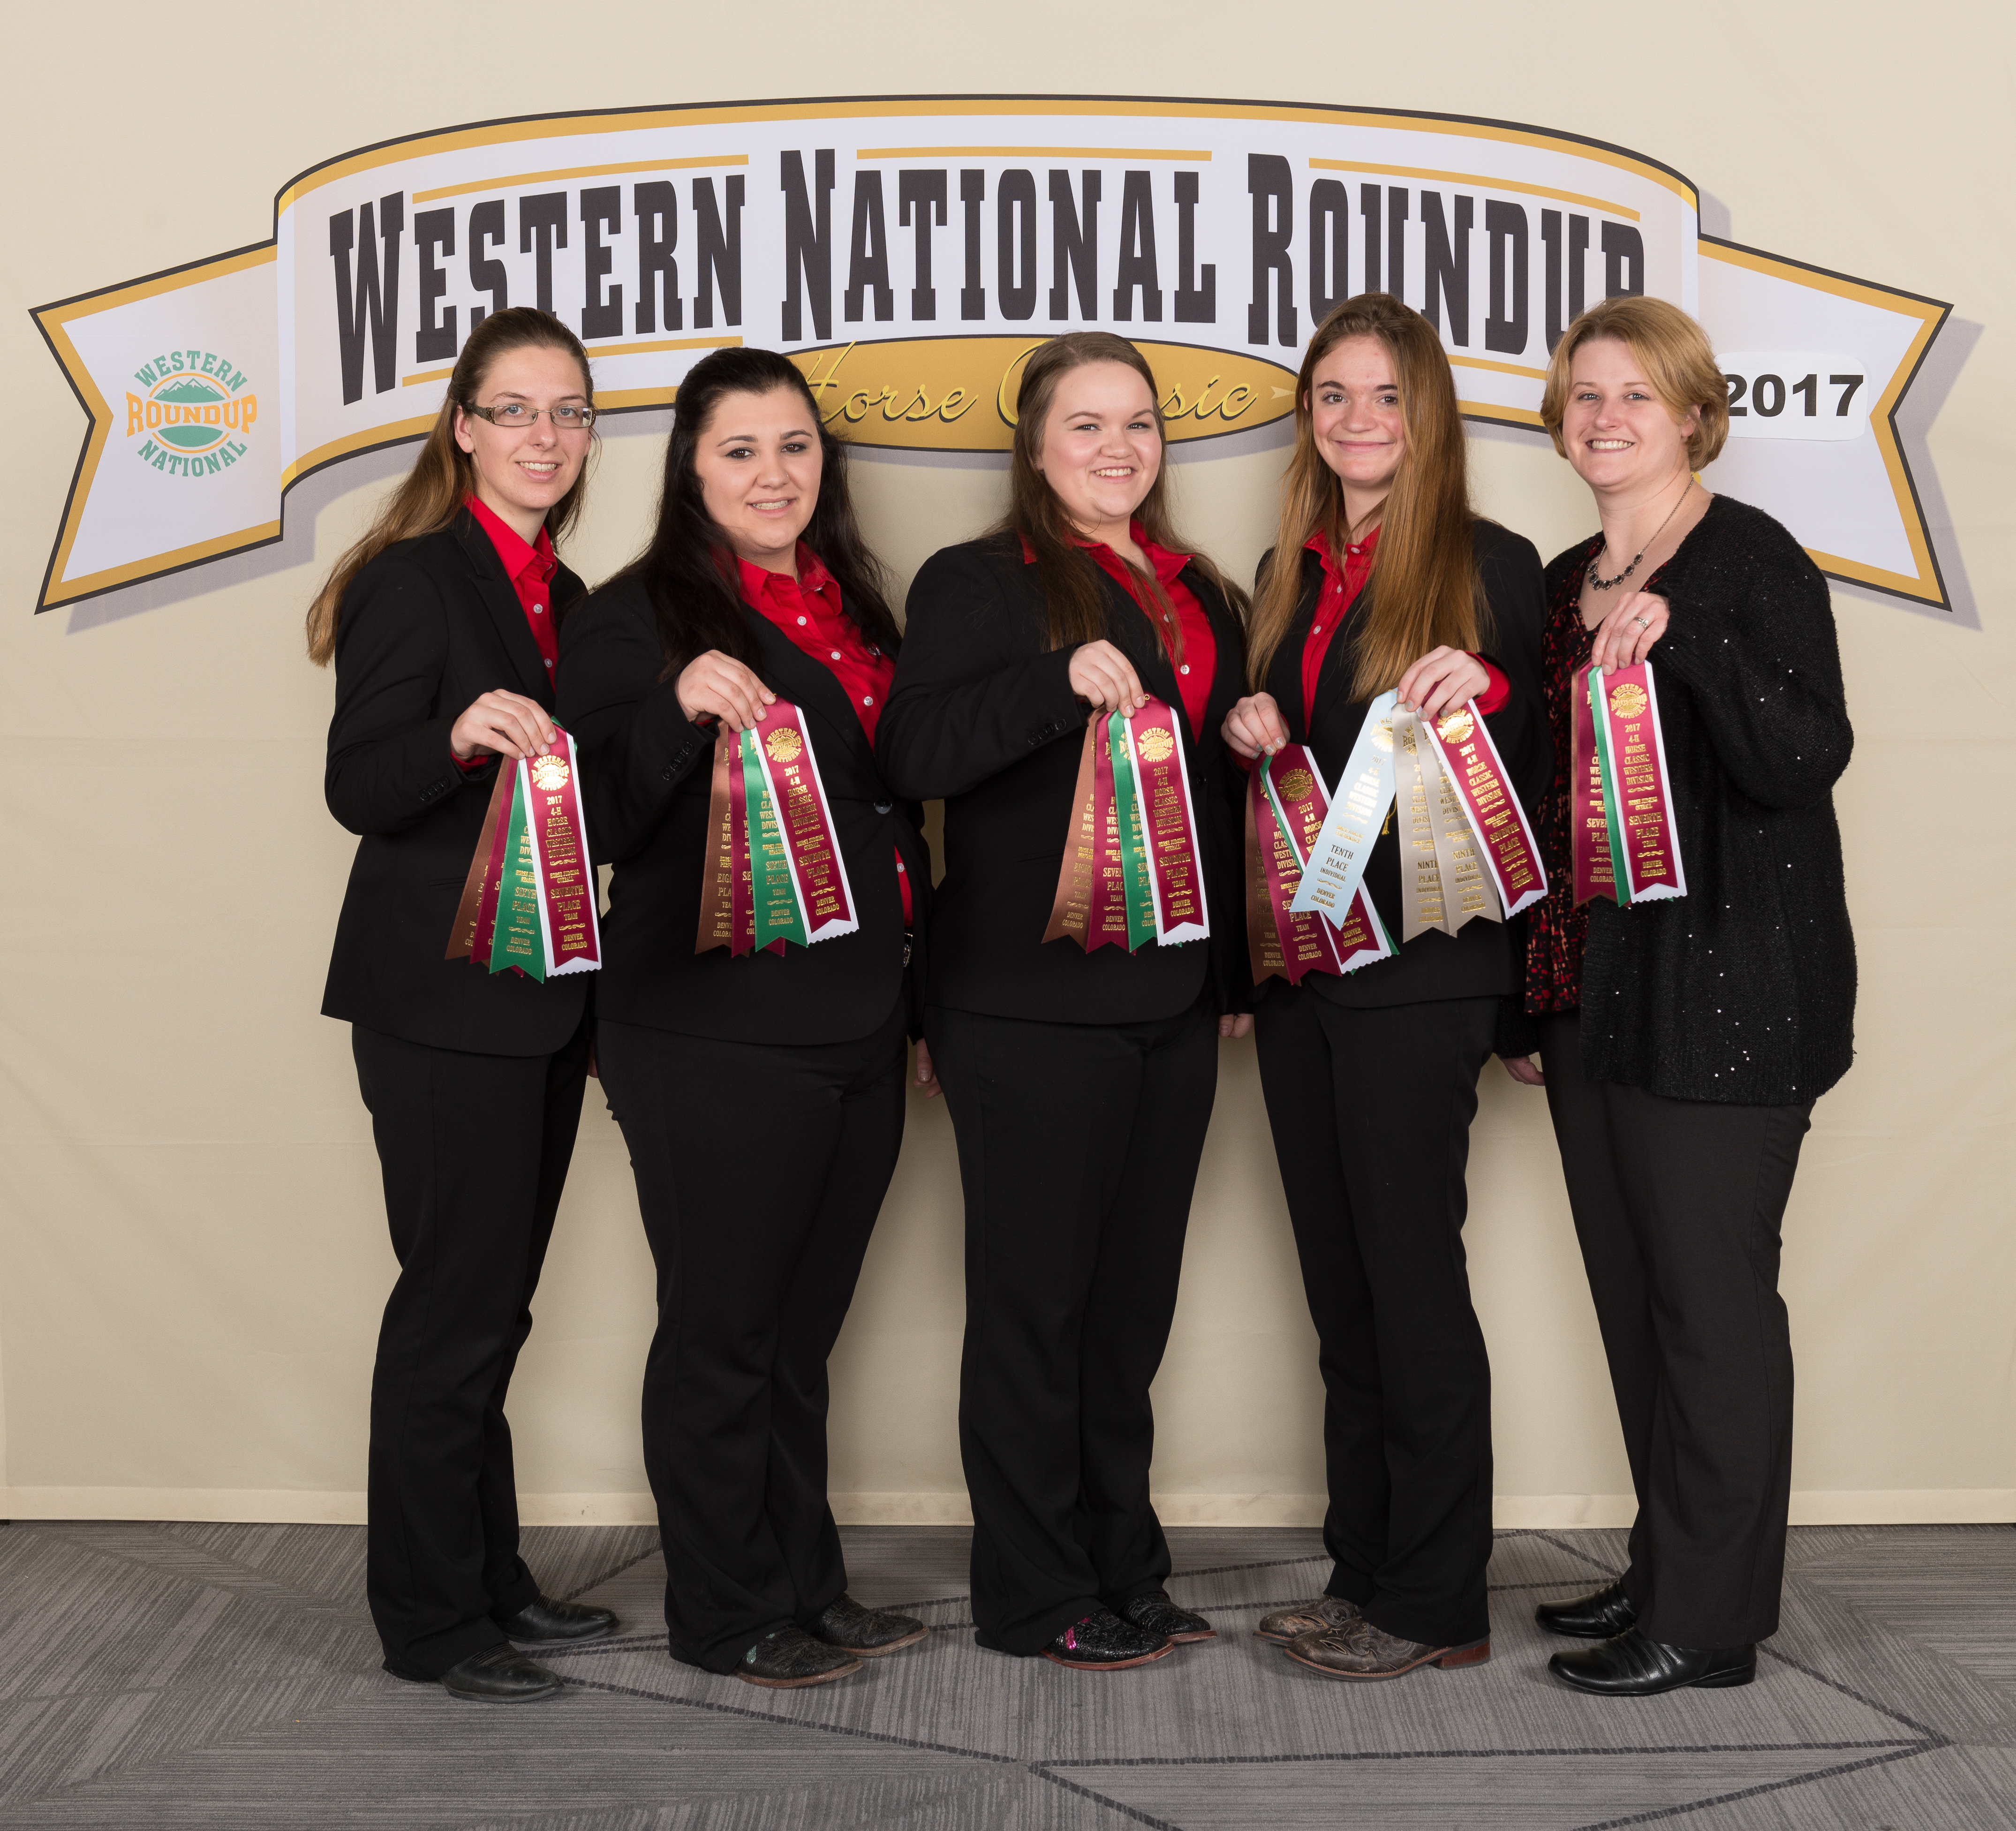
(501,601)
(1340,668)
(810,683)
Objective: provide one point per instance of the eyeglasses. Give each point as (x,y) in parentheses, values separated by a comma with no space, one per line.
(518,416)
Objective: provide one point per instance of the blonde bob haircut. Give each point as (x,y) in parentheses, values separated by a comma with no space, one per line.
(1673,351)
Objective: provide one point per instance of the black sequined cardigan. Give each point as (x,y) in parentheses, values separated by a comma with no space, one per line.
(1743,990)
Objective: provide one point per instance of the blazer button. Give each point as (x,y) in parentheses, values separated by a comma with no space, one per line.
(883,807)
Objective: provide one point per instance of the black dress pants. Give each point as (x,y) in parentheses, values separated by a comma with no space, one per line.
(761,1169)
(1078,1149)
(1678,1205)
(474,1150)
(1370,1111)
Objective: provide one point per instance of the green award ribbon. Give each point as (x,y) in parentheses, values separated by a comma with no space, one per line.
(518,941)
(1140,897)
(778,916)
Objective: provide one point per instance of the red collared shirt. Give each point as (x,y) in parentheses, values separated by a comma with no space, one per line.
(1340,587)
(1197,664)
(808,610)
(530,570)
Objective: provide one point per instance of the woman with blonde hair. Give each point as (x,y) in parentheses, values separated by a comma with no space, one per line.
(440,622)
(1683,1040)
(1080,1082)
(1383,577)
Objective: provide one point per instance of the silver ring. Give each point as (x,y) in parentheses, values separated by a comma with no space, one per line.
(1641,622)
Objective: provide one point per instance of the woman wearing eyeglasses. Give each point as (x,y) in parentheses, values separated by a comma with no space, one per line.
(441,623)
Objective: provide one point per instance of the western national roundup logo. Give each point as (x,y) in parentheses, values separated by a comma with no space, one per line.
(909,254)
(191,420)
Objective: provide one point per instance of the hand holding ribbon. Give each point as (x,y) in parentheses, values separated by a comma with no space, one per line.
(1626,634)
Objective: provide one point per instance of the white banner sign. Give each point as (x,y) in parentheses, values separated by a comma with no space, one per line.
(910,253)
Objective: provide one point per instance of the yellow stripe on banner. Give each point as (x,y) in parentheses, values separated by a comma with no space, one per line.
(572,126)
(1499,368)
(425,377)
(670,343)
(399,430)
(1190,154)
(1503,415)
(1477,178)
(573,171)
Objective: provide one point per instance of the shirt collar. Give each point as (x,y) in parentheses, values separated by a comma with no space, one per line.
(756,581)
(518,558)
(1165,563)
(1361,550)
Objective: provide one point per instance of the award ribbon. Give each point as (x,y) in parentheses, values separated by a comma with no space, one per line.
(1335,863)
(1476,773)
(773,871)
(570,928)
(1131,871)
(528,904)
(1637,795)
(1595,870)
(782,747)
(1285,808)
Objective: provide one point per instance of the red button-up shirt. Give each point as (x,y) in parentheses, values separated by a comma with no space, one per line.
(530,570)
(1340,587)
(808,610)
(1197,663)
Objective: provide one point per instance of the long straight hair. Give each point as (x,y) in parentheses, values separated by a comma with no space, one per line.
(444,476)
(688,568)
(1424,588)
(1074,599)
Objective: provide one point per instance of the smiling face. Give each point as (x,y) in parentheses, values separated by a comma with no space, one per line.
(759,462)
(1620,436)
(521,472)
(1354,417)
(1100,450)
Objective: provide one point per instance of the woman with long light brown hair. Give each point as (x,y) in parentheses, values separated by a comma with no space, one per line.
(1382,578)
(1080,1081)
(440,622)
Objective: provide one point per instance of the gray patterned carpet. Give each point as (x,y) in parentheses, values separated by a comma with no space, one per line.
(226,1677)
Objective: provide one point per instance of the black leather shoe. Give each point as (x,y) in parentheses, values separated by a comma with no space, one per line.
(546,1620)
(1102,1643)
(1154,1613)
(497,1675)
(874,1632)
(788,1658)
(1631,1666)
(1598,1616)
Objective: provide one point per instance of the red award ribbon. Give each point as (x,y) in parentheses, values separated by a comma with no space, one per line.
(482,872)
(1169,825)
(1631,752)
(805,819)
(493,872)
(1589,836)
(1506,840)
(568,924)
(1285,809)
(1107,924)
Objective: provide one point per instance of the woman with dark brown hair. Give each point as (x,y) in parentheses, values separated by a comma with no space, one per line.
(1382,576)
(1080,1082)
(440,622)
(760,1088)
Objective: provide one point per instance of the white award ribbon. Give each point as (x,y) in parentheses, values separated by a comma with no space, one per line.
(1335,863)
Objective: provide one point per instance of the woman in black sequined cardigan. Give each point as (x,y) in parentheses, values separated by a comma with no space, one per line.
(1682,1043)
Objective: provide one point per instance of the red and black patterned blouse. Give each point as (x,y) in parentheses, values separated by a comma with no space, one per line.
(1556,929)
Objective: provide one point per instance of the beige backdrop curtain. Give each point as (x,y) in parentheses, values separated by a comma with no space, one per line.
(193,1247)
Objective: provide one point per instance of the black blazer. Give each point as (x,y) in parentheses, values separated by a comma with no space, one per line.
(982,714)
(1484,961)
(430,625)
(649,772)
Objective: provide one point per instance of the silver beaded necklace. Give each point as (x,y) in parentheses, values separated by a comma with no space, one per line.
(1609,584)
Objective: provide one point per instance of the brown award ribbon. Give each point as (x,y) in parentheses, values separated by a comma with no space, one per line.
(1071,909)
(481,878)
(717,926)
